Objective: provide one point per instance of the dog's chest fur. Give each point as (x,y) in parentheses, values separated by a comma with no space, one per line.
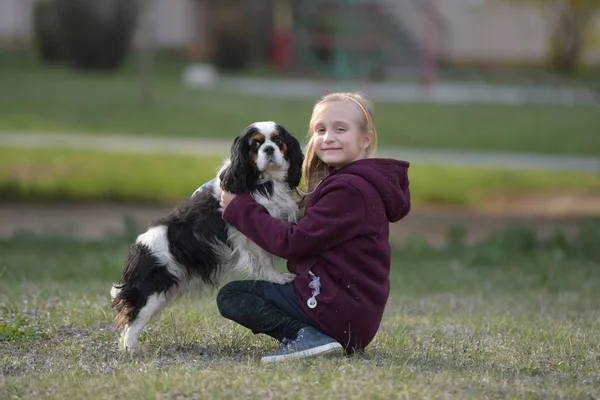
(281,204)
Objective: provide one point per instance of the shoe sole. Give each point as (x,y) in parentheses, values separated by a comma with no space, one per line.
(330,349)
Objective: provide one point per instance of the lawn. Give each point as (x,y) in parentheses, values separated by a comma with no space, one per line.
(515,317)
(44,99)
(70,175)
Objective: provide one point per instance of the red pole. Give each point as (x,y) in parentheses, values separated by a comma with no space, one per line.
(428,68)
(282,35)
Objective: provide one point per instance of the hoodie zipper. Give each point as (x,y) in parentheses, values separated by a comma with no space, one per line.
(315,285)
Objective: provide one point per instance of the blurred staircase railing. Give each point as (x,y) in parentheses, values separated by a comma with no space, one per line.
(362,39)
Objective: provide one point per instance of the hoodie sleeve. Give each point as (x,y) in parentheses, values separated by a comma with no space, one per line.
(336,217)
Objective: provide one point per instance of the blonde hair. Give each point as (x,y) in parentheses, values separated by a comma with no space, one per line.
(313,169)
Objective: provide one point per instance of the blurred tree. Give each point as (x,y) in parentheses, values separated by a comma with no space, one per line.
(571,23)
(46,29)
(228,28)
(97,33)
(147,50)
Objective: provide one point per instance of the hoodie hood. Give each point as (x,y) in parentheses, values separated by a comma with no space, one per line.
(390,178)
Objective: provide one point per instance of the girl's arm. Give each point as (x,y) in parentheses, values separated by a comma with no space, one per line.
(336,217)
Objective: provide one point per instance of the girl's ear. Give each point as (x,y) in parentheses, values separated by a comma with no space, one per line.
(367,140)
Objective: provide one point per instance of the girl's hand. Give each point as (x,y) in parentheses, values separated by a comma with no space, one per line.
(226,198)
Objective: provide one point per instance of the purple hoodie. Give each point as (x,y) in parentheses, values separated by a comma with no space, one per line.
(343,239)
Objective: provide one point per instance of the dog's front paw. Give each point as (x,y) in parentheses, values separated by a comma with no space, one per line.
(287,278)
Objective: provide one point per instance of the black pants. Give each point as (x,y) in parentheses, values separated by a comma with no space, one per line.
(263,307)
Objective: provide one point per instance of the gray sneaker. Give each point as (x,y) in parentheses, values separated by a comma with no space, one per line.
(308,343)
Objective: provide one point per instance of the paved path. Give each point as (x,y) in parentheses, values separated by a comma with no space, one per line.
(123,143)
(443,92)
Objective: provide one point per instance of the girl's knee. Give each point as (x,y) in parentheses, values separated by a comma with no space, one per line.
(223,296)
(235,293)
(226,296)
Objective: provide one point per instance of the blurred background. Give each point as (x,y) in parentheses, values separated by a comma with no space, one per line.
(118,109)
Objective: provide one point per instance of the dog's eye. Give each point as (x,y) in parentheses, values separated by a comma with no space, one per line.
(277,140)
(255,143)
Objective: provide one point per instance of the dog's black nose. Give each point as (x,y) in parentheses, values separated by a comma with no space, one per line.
(269,150)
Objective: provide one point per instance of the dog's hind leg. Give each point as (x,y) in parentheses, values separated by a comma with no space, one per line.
(136,305)
(154,304)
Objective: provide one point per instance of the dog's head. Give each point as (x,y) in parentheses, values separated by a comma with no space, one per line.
(265,150)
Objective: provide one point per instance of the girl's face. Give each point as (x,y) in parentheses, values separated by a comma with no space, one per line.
(338,135)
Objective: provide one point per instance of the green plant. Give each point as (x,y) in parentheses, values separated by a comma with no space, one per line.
(517,243)
(16,330)
(587,242)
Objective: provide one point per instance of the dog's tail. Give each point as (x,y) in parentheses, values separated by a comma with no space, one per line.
(125,301)
(143,276)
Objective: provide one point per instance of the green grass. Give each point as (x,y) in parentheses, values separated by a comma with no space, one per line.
(46,99)
(40,174)
(49,174)
(516,317)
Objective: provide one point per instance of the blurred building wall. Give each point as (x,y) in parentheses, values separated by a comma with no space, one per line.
(486,31)
(14,21)
(176,23)
(477,31)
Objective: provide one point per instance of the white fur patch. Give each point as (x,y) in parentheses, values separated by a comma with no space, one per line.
(154,304)
(156,240)
(281,204)
(265,127)
(114,292)
(275,162)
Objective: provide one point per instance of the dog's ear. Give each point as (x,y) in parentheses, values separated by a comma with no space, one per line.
(234,177)
(295,158)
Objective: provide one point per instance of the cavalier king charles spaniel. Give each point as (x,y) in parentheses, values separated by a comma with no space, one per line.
(193,248)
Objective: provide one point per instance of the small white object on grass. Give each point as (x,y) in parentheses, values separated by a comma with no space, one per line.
(200,75)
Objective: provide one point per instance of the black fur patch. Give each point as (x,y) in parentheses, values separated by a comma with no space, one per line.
(143,275)
(294,156)
(193,227)
(241,172)
(264,189)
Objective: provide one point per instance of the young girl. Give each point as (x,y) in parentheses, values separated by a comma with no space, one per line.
(339,249)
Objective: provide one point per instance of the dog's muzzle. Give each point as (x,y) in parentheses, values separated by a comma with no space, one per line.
(269,151)
(269,154)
